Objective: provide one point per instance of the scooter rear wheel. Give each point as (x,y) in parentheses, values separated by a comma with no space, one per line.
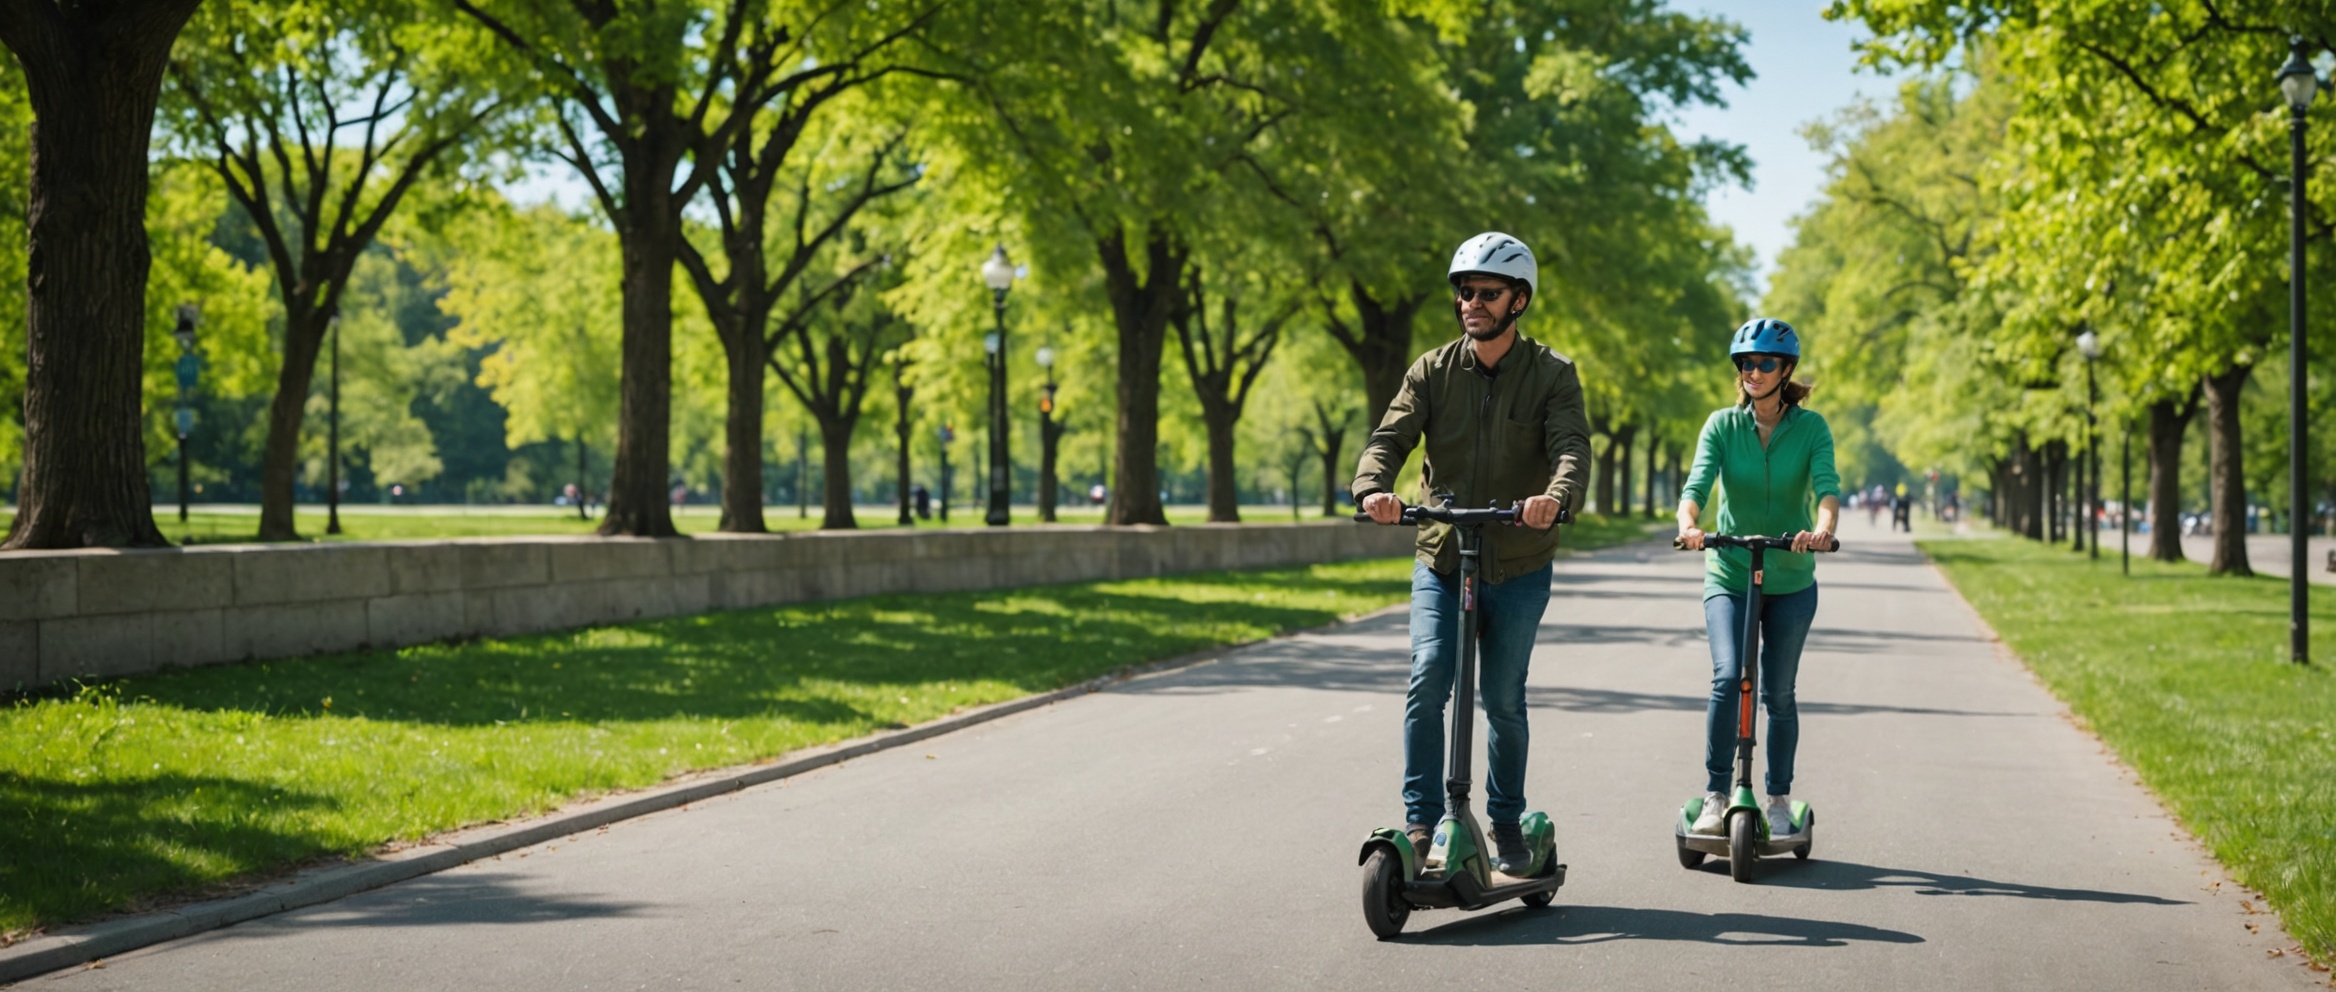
(1689,858)
(1384,908)
(1801,850)
(1743,842)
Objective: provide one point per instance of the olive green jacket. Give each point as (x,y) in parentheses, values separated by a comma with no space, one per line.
(1494,436)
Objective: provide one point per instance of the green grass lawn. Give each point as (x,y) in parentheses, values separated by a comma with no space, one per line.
(2186,677)
(164,786)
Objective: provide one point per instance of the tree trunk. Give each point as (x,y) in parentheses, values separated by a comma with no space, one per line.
(2227,478)
(2055,473)
(1604,486)
(1380,345)
(2027,500)
(835,446)
(745,351)
(1654,468)
(900,432)
(1224,493)
(638,482)
(93,72)
(1623,440)
(2169,420)
(1332,443)
(304,333)
(1141,310)
(583,486)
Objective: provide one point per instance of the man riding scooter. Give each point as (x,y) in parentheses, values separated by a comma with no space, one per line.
(1501,416)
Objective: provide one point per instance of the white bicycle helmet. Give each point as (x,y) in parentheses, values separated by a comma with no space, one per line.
(1495,254)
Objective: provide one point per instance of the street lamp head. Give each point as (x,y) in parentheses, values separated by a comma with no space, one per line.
(188,315)
(2088,344)
(1045,357)
(998,272)
(989,343)
(2296,80)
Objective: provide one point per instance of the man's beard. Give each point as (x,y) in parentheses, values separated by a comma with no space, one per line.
(1496,329)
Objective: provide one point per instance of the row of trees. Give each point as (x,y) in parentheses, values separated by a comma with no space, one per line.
(1273,186)
(2117,168)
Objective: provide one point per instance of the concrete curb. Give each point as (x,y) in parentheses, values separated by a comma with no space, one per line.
(41,955)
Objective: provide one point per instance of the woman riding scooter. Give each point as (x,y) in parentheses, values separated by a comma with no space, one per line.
(1772,458)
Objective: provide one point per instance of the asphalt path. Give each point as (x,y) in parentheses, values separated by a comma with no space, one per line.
(1200,828)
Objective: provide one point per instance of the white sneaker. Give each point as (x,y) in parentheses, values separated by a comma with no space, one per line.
(1708,822)
(1780,815)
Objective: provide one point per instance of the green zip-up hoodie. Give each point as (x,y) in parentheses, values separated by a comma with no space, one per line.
(1494,437)
(1769,491)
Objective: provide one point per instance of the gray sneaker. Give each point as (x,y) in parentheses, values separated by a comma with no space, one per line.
(1511,856)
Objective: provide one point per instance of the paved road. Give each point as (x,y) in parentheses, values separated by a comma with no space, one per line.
(1199,829)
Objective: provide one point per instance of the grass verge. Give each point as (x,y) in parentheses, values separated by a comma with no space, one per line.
(2186,677)
(236,524)
(159,787)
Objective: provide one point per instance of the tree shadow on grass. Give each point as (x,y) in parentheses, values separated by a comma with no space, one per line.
(789,661)
(1563,924)
(72,849)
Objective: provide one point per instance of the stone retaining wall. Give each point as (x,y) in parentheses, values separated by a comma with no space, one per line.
(110,613)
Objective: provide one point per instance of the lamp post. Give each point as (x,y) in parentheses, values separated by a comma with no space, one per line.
(188,367)
(332,444)
(2089,345)
(998,272)
(947,435)
(1050,430)
(2298,83)
(902,392)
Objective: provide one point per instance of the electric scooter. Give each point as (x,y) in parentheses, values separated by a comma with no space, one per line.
(1748,836)
(1457,872)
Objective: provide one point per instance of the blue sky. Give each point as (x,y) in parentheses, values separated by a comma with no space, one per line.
(1803,70)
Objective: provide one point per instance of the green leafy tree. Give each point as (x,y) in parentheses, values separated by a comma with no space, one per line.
(320,120)
(540,288)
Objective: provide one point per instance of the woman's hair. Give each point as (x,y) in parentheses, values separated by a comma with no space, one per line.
(1792,392)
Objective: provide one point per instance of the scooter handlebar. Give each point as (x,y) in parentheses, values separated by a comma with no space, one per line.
(1414,515)
(1732,541)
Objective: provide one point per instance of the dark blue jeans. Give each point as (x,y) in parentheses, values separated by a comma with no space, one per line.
(1508,615)
(1784,628)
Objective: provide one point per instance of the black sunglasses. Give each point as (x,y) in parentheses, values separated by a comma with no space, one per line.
(1488,294)
(1762,363)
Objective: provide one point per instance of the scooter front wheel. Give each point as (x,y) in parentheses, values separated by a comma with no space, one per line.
(1743,845)
(1384,908)
(1801,850)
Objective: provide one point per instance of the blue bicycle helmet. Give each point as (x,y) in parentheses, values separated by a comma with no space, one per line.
(1766,336)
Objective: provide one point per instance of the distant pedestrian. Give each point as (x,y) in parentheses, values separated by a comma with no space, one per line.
(1096,494)
(924,501)
(1902,510)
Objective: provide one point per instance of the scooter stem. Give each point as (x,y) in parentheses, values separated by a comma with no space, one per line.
(1456,783)
(1748,671)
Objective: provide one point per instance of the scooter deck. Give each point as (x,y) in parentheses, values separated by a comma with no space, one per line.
(1717,844)
(1463,892)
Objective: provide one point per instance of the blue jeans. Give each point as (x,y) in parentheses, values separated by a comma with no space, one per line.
(1508,615)
(1784,628)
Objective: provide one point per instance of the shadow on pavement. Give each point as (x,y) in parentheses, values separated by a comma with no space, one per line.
(1849,875)
(1580,700)
(1563,924)
(440,900)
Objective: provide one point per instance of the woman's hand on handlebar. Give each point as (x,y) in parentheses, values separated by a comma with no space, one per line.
(1813,540)
(1690,539)
(1384,508)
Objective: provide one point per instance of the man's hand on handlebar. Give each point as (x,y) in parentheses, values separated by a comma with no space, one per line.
(1538,512)
(1385,508)
(1690,539)
(1813,540)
